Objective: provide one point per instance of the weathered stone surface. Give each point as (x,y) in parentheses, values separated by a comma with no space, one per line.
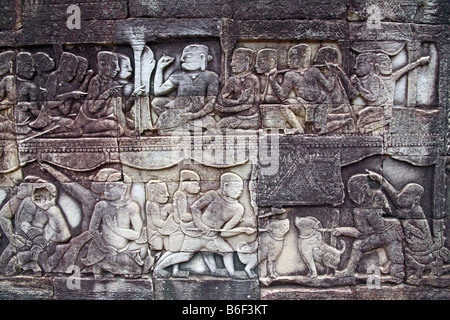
(399,292)
(224,149)
(288,9)
(432,12)
(180,9)
(103,289)
(206,288)
(26,288)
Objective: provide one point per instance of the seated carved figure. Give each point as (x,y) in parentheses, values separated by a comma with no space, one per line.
(60,96)
(341,117)
(119,244)
(45,226)
(44,65)
(97,114)
(27,107)
(238,102)
(8,94)
(311,89)
(390,78)
(266,65)
(128,94)
(196,91)
(373,91)
(80,83)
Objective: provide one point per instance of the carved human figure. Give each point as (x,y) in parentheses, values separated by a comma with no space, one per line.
(66,255)
(60,96)
(238,101)
(375,82)
(83,75)
(341,117)
(45,226)
(196,91)
(374,230)
(216,215)
(9,218)
(80,83)
(373,91)
(418,237)
(125,116)
(128,94)
(187,193)
(265,65)
(157,210)
(384,69)
(310,87)
(27,107)
(43,64)
(8,94)
(118,243)
(97,114)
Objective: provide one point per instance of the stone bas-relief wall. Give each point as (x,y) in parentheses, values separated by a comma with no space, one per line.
(165,150)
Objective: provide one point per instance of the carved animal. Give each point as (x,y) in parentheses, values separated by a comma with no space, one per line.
(271,240)
(248,256)
(312,246)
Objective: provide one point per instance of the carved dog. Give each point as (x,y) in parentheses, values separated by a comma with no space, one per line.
(248,256)
(312,246)
(271,240)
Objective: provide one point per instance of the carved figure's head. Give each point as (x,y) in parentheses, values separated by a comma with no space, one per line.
(111,184)
(126,70)
(195,57)
(25,65)
(242,60)
(359,190)
(82,69)
(44,194)
(383,64)
(299,56)
(25,188)
(189,181)
(43,62)
(364,64)
(266,60)
(157,191)
(68,66)
(108,64)
(410,195)
(231,185)
(326,55)
(7,60)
